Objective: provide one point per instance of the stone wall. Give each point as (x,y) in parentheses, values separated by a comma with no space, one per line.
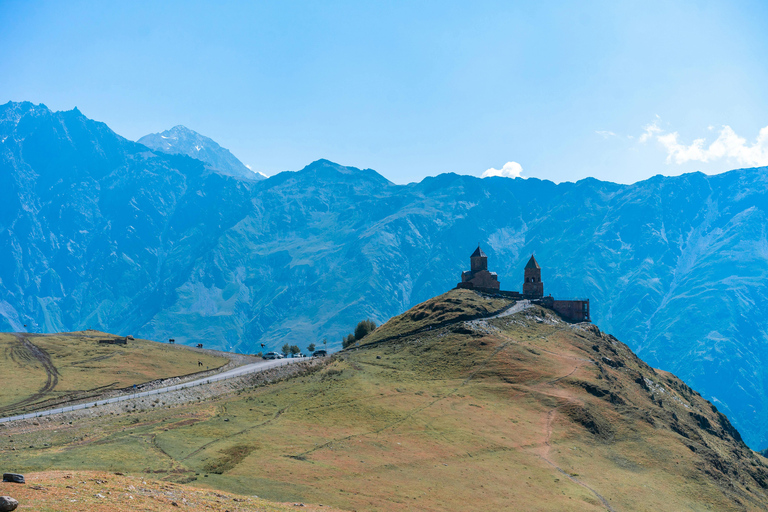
(573,310)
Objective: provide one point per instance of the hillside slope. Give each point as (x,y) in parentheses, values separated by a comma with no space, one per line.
(98,491)
(51,370)
(519,412)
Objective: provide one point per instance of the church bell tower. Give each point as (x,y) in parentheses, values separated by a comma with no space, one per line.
(533,288)
(478,261)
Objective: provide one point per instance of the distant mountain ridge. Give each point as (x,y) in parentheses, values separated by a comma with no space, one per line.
(180,140)
(97,231)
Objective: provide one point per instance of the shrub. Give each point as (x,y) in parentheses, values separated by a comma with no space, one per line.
(364,328)
(347,340)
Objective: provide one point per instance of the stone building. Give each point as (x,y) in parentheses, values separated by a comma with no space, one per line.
(533,288)
(576,310)
(478,276)
(480,279)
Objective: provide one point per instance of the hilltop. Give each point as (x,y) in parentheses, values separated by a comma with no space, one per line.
(496,406)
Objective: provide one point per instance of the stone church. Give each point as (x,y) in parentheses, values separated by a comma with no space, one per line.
(478,276)
(480,279)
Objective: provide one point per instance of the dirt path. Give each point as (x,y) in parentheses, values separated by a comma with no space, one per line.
(550,388)
(549,420)
(52,374)
(274,418)
(545,457)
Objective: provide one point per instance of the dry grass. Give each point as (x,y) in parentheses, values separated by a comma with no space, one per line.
(519,413)
(80,367)
(452,306)
(53,491)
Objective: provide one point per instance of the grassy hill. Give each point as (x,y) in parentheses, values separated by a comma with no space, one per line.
(521,412)
(44,370)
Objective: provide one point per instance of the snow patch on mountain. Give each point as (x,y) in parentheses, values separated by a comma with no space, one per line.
(180,140)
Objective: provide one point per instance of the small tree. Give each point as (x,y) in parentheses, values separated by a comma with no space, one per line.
(286,349)
(364,328)
(295,350)
(348,340)
(311,348)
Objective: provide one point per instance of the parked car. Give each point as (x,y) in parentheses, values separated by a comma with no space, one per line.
(272,355)
(298,355)
(320,353)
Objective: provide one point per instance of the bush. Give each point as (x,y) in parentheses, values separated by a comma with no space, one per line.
(347,340)
(311,348)
(364,328)
(294,349)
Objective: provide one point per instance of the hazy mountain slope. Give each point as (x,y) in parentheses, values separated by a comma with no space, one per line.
(98,232)
(94,226)
(180,140)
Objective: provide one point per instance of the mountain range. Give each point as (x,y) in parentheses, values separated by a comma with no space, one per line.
(101,232)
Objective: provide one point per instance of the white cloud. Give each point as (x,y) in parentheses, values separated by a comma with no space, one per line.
(727,145)
(248,166)
(510,170)
(606,134)
(650,130)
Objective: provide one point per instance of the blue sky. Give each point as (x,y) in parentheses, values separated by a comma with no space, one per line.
(619,91)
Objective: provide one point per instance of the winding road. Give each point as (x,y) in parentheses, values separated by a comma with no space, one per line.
(235,372)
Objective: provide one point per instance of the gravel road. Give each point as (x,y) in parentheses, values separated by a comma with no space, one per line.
(229,374)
